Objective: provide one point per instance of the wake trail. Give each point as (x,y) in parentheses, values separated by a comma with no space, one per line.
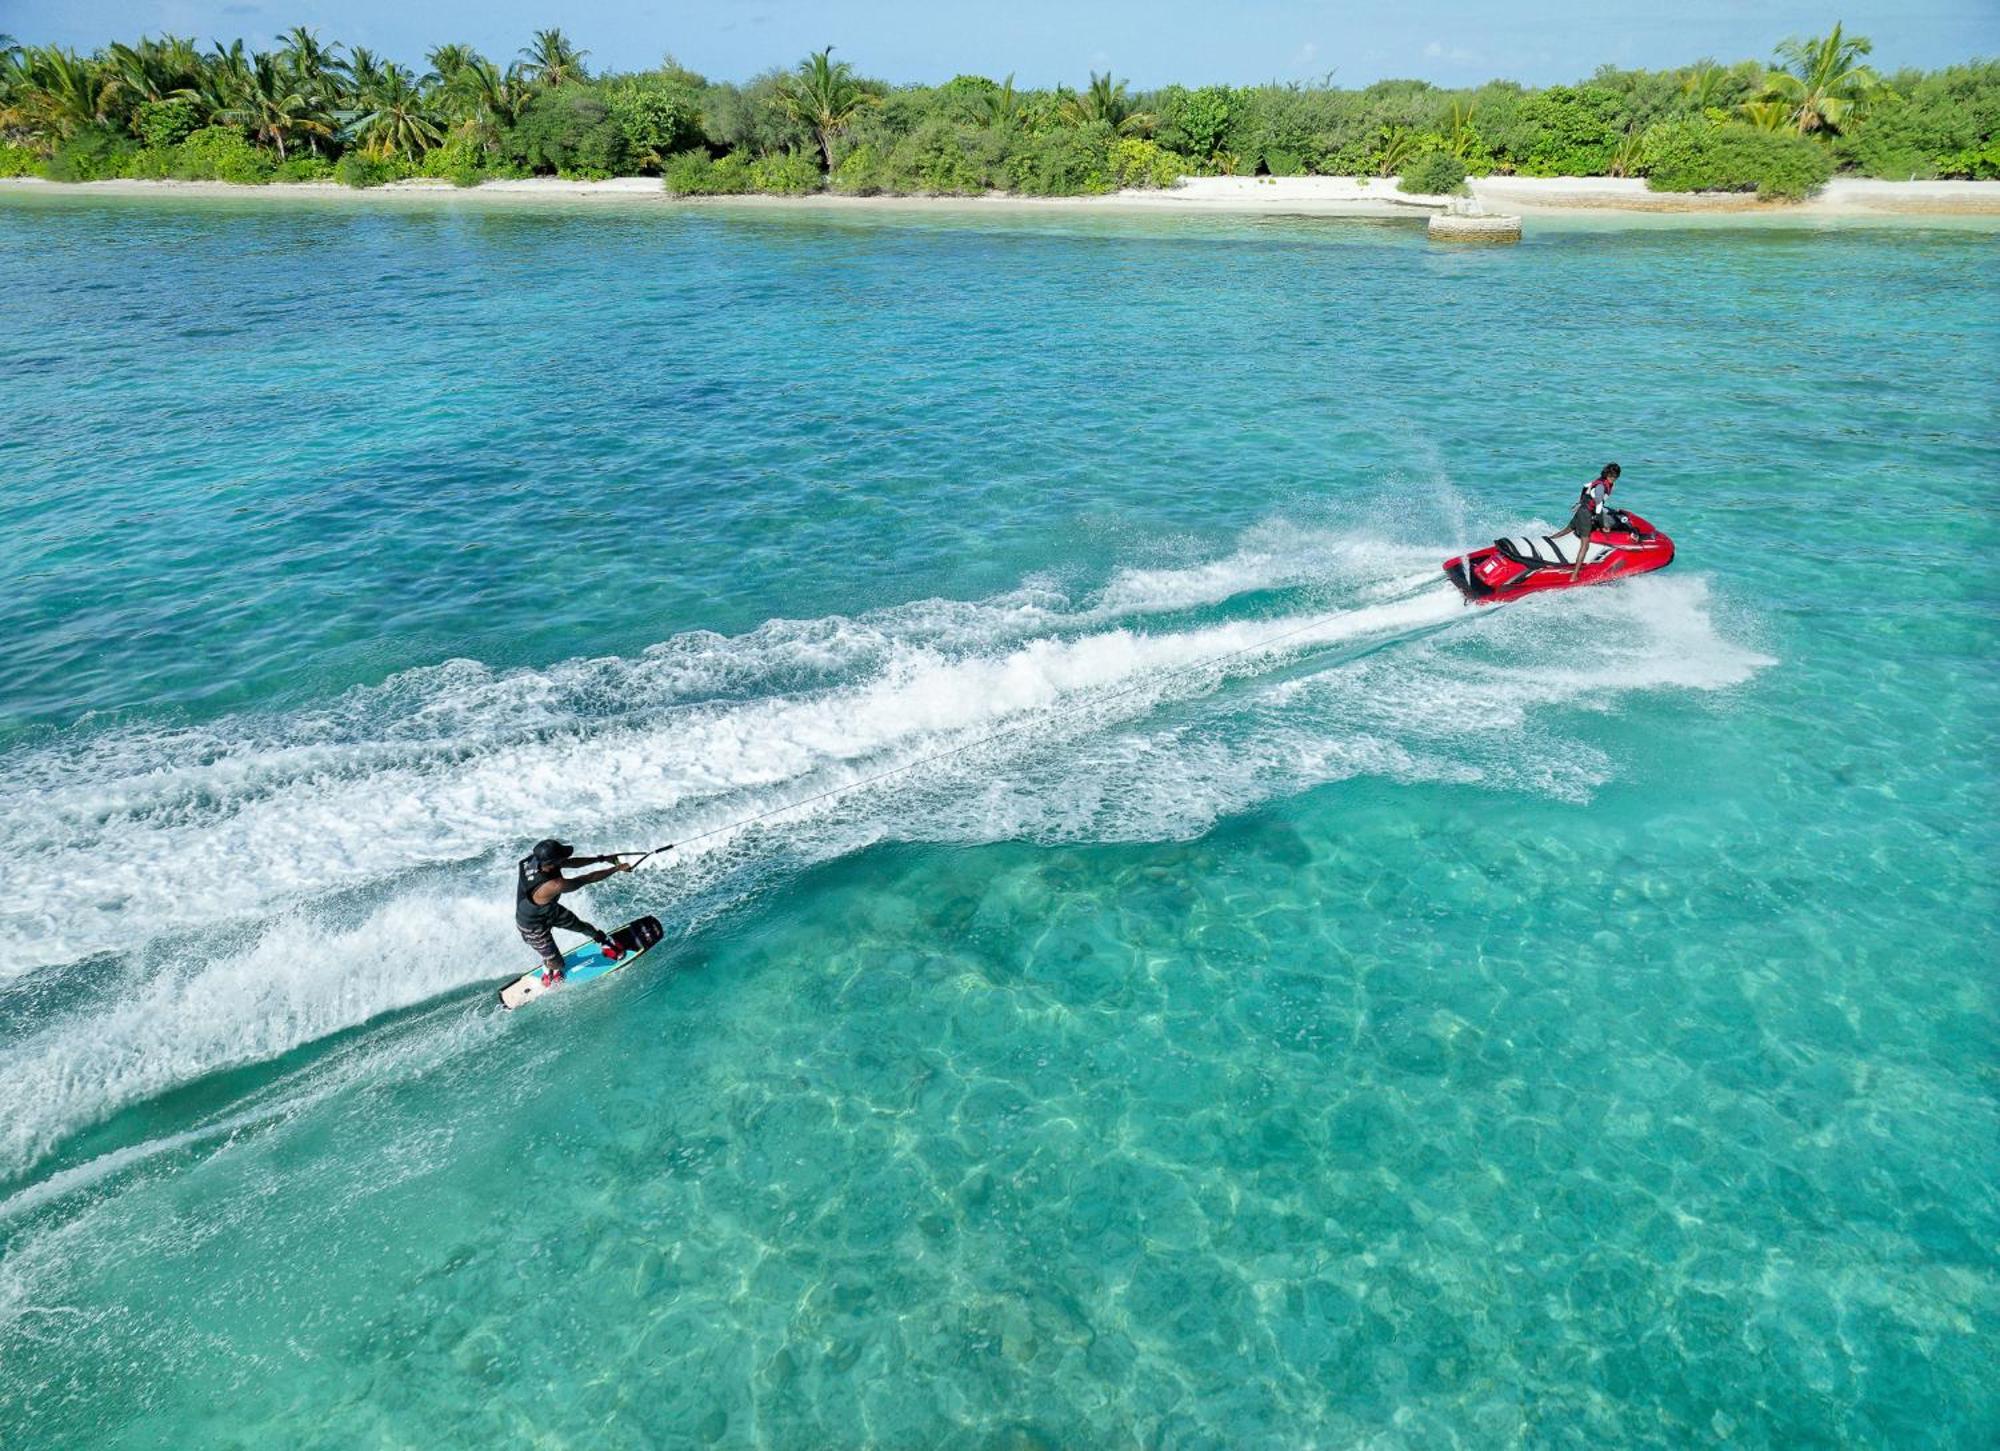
(449,764)
(353,860)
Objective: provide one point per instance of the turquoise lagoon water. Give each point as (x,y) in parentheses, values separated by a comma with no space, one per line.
(1572,1025)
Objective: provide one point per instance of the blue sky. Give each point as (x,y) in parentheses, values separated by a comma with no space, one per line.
(1046,41)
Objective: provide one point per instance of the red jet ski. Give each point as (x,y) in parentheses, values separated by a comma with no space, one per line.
(1527,565)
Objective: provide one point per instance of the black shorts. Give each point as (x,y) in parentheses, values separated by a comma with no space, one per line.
(541,941)
(1583,521)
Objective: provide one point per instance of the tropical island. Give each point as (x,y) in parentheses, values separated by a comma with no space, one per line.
(310,111)
(1173,901)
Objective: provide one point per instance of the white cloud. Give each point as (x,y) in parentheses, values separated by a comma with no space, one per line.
(1458,54)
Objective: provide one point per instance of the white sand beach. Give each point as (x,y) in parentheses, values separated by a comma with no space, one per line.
(1298,195)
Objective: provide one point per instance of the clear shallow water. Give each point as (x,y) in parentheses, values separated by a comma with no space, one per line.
(1567,1025)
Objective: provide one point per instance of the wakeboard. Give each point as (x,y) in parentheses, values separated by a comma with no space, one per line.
(634,940)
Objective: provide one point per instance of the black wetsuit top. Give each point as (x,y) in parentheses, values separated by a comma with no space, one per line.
(530,913)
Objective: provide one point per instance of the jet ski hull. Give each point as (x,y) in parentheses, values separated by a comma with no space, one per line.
(1510,568)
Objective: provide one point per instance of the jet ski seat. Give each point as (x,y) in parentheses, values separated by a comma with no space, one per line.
(1543,551)
(1533,551)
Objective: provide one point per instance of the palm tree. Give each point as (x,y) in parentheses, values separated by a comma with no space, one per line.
(138,71)
(272,106)
(1459,137)
(320,76)
(1703,82)
(1396,145)
(1003,106)
(13,79)
(223,79)
(823,96)
(1823,80)
(315,65)
(448,60)
(1106,101)
(136,76)
(177,55)
(552,61)
(396,121)
(52,91)
(1626,155)
(478,99)
(1770,115)
(364,69)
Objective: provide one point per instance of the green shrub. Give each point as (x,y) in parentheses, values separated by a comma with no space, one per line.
(305,167)
(1039,113)
(17,160)
(656,121)
(696,173)
(1137,163)
(1695,156)
(360,170)
(1644,97)
(938,158)
(151,163)
(964,99)
(863,171)
(90,153)
(1974,163)
(900,110)
(1925,125)
(1570,130)
(731,174)
(686,174)
(1899,140)
(1291,131)
(570,131)
(161,124)
(1073,161)
(1471,147)
(1886,164)
(1670,147)
(1785,168)
(1433,173)
(1495,112)
(218,153)
(461,160)
(789,173)
(735,118)
(1194,123)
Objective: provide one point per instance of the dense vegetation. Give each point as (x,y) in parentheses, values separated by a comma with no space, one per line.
(308,110)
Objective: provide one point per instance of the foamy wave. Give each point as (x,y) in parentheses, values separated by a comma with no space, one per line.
(294,876)
(189,830)
(1271,557)
(300,979)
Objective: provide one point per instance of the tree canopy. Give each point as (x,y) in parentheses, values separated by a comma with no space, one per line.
(311,108)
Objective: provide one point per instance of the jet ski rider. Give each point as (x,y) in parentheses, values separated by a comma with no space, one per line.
(538,908)
(1593,511)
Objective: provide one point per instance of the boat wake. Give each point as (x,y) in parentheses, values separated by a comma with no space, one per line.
(190,899)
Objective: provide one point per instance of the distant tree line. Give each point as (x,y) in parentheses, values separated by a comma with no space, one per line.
(308,110)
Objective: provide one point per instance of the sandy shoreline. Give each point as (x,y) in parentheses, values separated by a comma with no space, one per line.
(1842,197)
(1222,195)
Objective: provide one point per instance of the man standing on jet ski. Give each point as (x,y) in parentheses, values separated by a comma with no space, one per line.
(1593,511)
(538,888)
